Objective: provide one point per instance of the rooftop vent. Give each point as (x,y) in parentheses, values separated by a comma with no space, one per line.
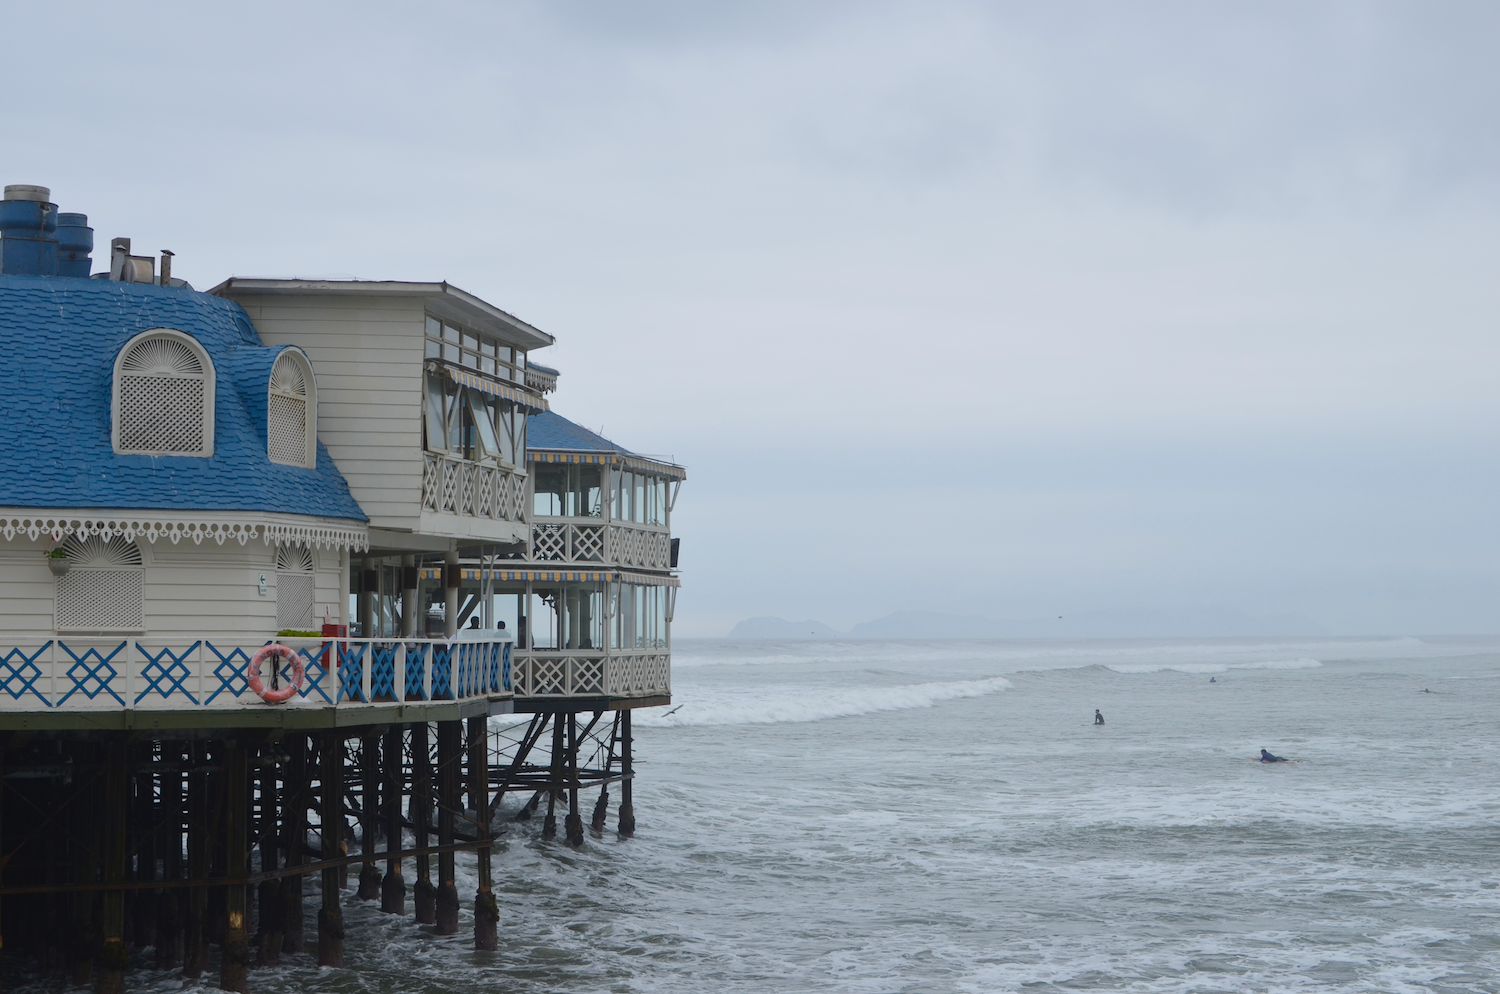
(28,231)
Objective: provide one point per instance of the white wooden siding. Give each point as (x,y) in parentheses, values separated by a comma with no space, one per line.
(367,357)
(190,590)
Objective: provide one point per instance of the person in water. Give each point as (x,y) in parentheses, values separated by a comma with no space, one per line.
(1266,757)
(1098,718)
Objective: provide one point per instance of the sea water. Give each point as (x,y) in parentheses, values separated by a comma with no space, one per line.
(944,816)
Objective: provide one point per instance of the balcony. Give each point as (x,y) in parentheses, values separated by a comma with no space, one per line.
(142,680)
(574,540)
(471,489)
(583,673)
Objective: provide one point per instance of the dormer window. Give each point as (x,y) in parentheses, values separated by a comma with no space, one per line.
(163,402)
(292,412)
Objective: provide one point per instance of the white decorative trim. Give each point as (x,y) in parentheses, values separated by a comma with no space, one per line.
(174,526)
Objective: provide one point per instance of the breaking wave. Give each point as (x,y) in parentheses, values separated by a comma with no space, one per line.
(777,704)
(1263,664)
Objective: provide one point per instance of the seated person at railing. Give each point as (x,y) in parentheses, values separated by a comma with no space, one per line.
(497,634)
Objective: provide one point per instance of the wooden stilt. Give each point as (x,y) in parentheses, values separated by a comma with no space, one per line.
(601,807)
(393,886)
(235,948)
(198,862)
(574,825)
(168,902)
(549,826)
(294,839)
(113,957)
(369,814)
(627,806)
(84,843)
(486,911)
(268,941)
(449,734)
(424,894)
(143,910)
(331,829)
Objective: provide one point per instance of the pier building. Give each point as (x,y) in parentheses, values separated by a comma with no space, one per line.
(273,557)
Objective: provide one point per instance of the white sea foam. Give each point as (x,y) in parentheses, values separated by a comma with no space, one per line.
(1260,664)
(774,704)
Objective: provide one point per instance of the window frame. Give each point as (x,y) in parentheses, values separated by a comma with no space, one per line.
(210,378)
(309,398)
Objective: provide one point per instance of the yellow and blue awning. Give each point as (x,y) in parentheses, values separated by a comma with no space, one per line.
(493,387)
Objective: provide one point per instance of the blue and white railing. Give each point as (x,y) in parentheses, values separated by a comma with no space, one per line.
(94,673)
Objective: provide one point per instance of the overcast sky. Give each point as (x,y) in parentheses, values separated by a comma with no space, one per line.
(1001,309)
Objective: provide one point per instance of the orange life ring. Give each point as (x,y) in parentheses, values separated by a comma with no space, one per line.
(275,651)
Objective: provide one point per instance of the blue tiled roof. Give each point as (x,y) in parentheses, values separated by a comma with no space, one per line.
(58,341)
(552,431)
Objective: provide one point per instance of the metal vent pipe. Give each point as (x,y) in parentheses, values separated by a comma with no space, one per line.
(28,231)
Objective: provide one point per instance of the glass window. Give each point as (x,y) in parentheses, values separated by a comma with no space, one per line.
(434,327)
(450,334)
(627,491)
(551,486)
(487,346)
(661,502)
(486,365)
(544,624)
(589,491)
(434,349)
(450,352)
(437,418)
(640,498)
(484,424)
(505,429)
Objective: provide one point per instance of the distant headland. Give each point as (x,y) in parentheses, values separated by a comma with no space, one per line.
(1200,622)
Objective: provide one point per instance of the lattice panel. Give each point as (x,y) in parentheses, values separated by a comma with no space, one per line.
(286,430)
(484,496)
(450,486)
(588,542)
(549,542)
(101,600)
(294,600)
(432,482)
(158,414)
(587,676)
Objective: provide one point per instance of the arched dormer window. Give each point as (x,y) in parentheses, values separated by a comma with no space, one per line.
(294,587)
(104,591)
(163,402)
(292,412)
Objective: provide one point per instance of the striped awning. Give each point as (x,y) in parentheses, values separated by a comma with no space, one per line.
(505,391)
(560,576)
(637,463)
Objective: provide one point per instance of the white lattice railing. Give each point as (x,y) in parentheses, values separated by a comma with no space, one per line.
(567,541)
(540,673)
(646,548)
(148,674)
(471,489)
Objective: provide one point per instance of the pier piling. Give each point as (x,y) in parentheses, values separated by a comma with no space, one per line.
(330,832)
(446,911)
(424,894)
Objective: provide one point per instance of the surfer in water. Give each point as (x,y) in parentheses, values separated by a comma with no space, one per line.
(1098,718)
(1266,757)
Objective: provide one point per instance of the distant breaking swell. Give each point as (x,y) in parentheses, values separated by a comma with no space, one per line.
(776,704)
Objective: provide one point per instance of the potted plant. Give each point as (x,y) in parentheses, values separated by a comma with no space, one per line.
(57,561)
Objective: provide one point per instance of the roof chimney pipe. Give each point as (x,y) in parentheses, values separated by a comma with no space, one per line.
(75,240)
(28,231)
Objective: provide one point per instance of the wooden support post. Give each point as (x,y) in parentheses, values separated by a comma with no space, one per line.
(198,851)
(574,824)
(424,894)
(113,957)
(235,948)
(331,830)
(142,921)
(83,841)
(169,903)
(601,807)
(555,776)
(393,887)
(448,733)
(369,813)
(268,900)
(627,807)
(294,834)
(486,911)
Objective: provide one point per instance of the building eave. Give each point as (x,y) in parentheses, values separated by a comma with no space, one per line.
(443,299)
(175,526)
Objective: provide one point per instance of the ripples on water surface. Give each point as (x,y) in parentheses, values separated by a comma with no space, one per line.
(854,816)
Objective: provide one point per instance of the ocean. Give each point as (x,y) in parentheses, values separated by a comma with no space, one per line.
(944,817)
